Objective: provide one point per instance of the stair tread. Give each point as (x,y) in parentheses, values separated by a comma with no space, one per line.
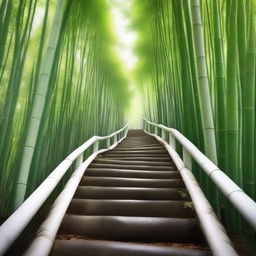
(146,208)
(144,154)
(134,182)
(116,161)
(130,166)
(144,158)
(120,228)
(111,172)
(81,247)
(146,147)
(131,193)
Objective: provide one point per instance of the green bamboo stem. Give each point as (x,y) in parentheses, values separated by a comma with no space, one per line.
(204,93)
(220,84)
(249,111)
(232,122)
(38,106)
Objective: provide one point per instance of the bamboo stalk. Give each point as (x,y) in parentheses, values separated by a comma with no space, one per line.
(38,106)
(249,111)
(205,99)
(232,125)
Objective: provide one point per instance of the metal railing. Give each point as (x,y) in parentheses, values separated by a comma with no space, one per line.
(16,223)
(238,198)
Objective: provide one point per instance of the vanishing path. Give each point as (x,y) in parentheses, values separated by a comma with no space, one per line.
(131,201)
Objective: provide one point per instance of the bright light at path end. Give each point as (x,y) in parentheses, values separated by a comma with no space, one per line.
(126,37)
(126,42)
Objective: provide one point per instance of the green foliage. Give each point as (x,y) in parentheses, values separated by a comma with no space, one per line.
(87,93)
(168,77)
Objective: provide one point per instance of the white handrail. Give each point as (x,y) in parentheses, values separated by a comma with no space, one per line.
(215,233)
(239,199)
(15,224)
(43,242)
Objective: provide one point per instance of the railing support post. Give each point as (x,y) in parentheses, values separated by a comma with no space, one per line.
(163,134)
(156,130)
(95,146)
(115,139)
(79,160)
(172,141)
(187,159)
(108,143)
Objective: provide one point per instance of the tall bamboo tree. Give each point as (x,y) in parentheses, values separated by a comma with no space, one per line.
(205,98)
(38,105)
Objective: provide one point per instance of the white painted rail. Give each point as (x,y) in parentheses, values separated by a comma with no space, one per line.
(245,205)
(215,234)
(16,223)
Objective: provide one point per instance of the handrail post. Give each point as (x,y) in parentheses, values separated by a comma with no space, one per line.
(187,159)
(95,146)
(114,139)
(156,130)
(172,141)
(108,143)
(79,160)
(163,134)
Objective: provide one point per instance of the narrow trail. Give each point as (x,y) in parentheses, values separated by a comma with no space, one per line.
(131,201)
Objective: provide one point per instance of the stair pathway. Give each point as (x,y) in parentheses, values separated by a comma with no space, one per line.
(131,201)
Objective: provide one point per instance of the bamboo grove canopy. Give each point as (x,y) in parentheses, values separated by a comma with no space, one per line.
(61,82)
(84,88)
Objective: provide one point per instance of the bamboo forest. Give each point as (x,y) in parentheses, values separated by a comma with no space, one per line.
(127,127)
